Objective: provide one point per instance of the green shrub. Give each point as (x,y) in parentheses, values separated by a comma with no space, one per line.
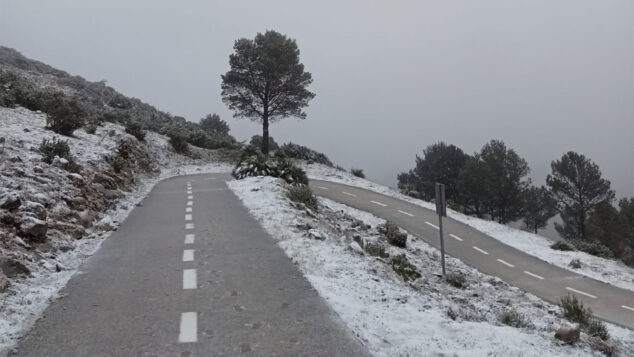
(393,234)
(178,140)
(54,147)
(404,268)
(210,140)
(299,152)
(254,163)
(456,280)
(514,319)
(64,115)
(597,328)
(593,247)
(135,129)
(357,172)
(575,264)
(376,250)
(561,245)
(303,194)
(574,310)
(60,148)
(91,128)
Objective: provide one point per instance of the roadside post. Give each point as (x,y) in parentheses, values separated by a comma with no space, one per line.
(441,209)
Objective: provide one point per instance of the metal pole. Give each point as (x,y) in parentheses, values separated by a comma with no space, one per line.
(442,244)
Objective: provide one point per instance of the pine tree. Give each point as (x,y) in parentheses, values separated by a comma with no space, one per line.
(539,207)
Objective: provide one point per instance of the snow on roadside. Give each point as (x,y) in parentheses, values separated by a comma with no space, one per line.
(607,270)
(53,263)
(393,318)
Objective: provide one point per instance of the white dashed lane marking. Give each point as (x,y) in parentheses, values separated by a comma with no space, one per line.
(580,292)
(533,275)
(506,263)
(188,209)
(188,217)
(349,194)
(456,237)
(190,197)
(481,250)
(189,226)
(322,187)
(188,255)
(379,203)
(406,213)
(431,225)
(189,279)
(188,328)
(189,192)
(627,307)
(189,203)
(189,238)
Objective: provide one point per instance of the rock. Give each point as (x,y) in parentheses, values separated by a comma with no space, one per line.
(112,194)
(568,335)
(33,229)
(355,247)
(77,179)
(7,218)
(34,209)
(317,234)
(78,203)
(74,230)
(107,181)
(4,282)
(10,202)
(65,248)
(86,218)
(12,268)
(59,161)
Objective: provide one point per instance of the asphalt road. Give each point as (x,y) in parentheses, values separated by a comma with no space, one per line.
(189,273)
(489,255)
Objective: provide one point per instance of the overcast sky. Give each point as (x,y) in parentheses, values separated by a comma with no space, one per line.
(391,77)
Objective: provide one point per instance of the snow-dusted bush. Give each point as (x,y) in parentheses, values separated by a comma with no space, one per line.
(595,248)
(135,129)
(573,310)
(404,268)
(254,163)
(456,280)
(178,140)
(50,149)
(596,328)
(376,250)
(299,152)
(302,194)
(357,172)
(393,234)
(514,319)
(64,115)
(561,245)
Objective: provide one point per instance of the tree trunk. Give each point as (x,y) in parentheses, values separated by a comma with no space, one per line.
(265,136)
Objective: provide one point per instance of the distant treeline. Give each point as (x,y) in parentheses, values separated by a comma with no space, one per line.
(493,184)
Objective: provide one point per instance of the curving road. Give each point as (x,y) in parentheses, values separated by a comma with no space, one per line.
(489,255)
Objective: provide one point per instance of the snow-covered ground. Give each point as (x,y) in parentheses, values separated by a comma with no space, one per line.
(53,263)
(426,317)
(607,270)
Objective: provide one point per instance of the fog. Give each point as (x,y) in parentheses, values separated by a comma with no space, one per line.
(390,77)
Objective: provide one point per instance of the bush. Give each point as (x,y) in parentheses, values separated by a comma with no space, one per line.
(596,328)
(54,147)
(514,319)
(299,152)
(561,245)
(393,234)
(210,140)
(404,268)
(357,172)
(178,140)
(302,194)
(593,247)
(91,128)
(575,264)
(135,129)
(574,311)
(376,250)
(64,115)
(60,148)
(254,163)
(456,280)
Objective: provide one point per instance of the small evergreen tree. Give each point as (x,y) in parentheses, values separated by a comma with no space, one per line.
(505,182)
(539,207)
(578,187)
(473,192)
(64,115)
(607,226)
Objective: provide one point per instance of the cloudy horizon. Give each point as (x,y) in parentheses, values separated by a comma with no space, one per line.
(390,78)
